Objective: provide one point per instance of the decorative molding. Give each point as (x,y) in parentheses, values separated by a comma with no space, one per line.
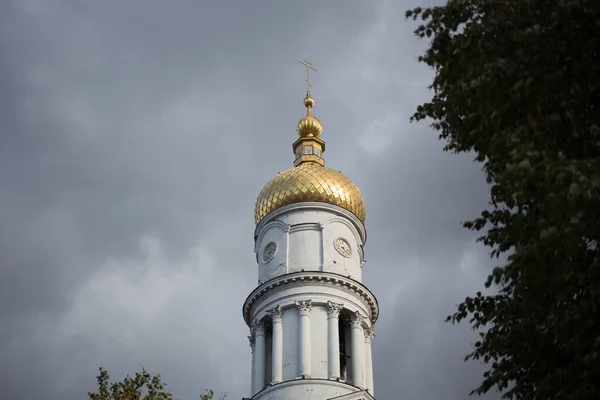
(344,221)
(257,328)
(333,309)
(359,225)
(369,335)
(252,341)
(304,306)
(306,226)
(357,235)
(272,224)
(276,314)
(356,320)
(315,277)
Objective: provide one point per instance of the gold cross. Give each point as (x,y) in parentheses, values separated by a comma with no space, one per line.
(308,66)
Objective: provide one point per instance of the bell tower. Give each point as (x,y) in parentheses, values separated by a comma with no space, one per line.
(311,318)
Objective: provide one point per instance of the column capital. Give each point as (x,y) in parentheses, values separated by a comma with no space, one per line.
(276,314)
(356,320)
(333,309)
(304,306)
(252,341)
(369,335)
(257,328)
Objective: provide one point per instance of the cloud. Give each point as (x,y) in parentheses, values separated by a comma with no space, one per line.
(135,137)
(159,311)
(380,134)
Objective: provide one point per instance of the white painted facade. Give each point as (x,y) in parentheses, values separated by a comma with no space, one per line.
(304,235)
(311,319)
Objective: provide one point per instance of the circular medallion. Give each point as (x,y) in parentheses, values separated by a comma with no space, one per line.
(269,252)
(343,247)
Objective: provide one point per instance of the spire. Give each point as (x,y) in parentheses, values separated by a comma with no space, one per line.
(308,148)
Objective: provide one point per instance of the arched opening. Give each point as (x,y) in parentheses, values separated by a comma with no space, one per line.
(344,350)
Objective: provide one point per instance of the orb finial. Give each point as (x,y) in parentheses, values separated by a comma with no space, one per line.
(309,126)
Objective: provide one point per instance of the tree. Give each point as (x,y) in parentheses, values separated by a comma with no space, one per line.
(516,82)
(141,387)
(210,395)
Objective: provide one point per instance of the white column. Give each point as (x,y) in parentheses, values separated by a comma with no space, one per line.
(252,383)
(277,363)
(369,361)
(358,349)
(333,340)
(258,357)
(304,337)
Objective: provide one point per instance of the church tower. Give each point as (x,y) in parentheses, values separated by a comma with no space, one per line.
(311,318)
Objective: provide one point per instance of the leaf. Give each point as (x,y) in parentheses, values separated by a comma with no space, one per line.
(574,189)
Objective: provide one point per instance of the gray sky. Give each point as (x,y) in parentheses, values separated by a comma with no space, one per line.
(135,136)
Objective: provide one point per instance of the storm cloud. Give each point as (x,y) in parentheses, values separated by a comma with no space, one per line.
(135,137)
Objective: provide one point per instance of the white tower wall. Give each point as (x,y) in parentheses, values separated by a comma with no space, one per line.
(304,235)
(290,335)
(319,340)
(307,285)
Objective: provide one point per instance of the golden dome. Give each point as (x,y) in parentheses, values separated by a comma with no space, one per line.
(309,182)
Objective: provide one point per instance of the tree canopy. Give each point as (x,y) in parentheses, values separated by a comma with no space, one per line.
(142,386)
(516,82)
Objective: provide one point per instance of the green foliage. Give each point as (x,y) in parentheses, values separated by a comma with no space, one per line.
(516,82)
(141,387)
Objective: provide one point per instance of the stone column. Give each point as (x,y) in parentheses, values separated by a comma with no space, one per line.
(358,349)
(259,356)
(333,340)
(252,383)
(304,338)
(277,363)
(369,361)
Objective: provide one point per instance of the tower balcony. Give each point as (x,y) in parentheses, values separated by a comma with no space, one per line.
(315,326)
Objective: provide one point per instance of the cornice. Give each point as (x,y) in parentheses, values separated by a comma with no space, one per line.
(317,277)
